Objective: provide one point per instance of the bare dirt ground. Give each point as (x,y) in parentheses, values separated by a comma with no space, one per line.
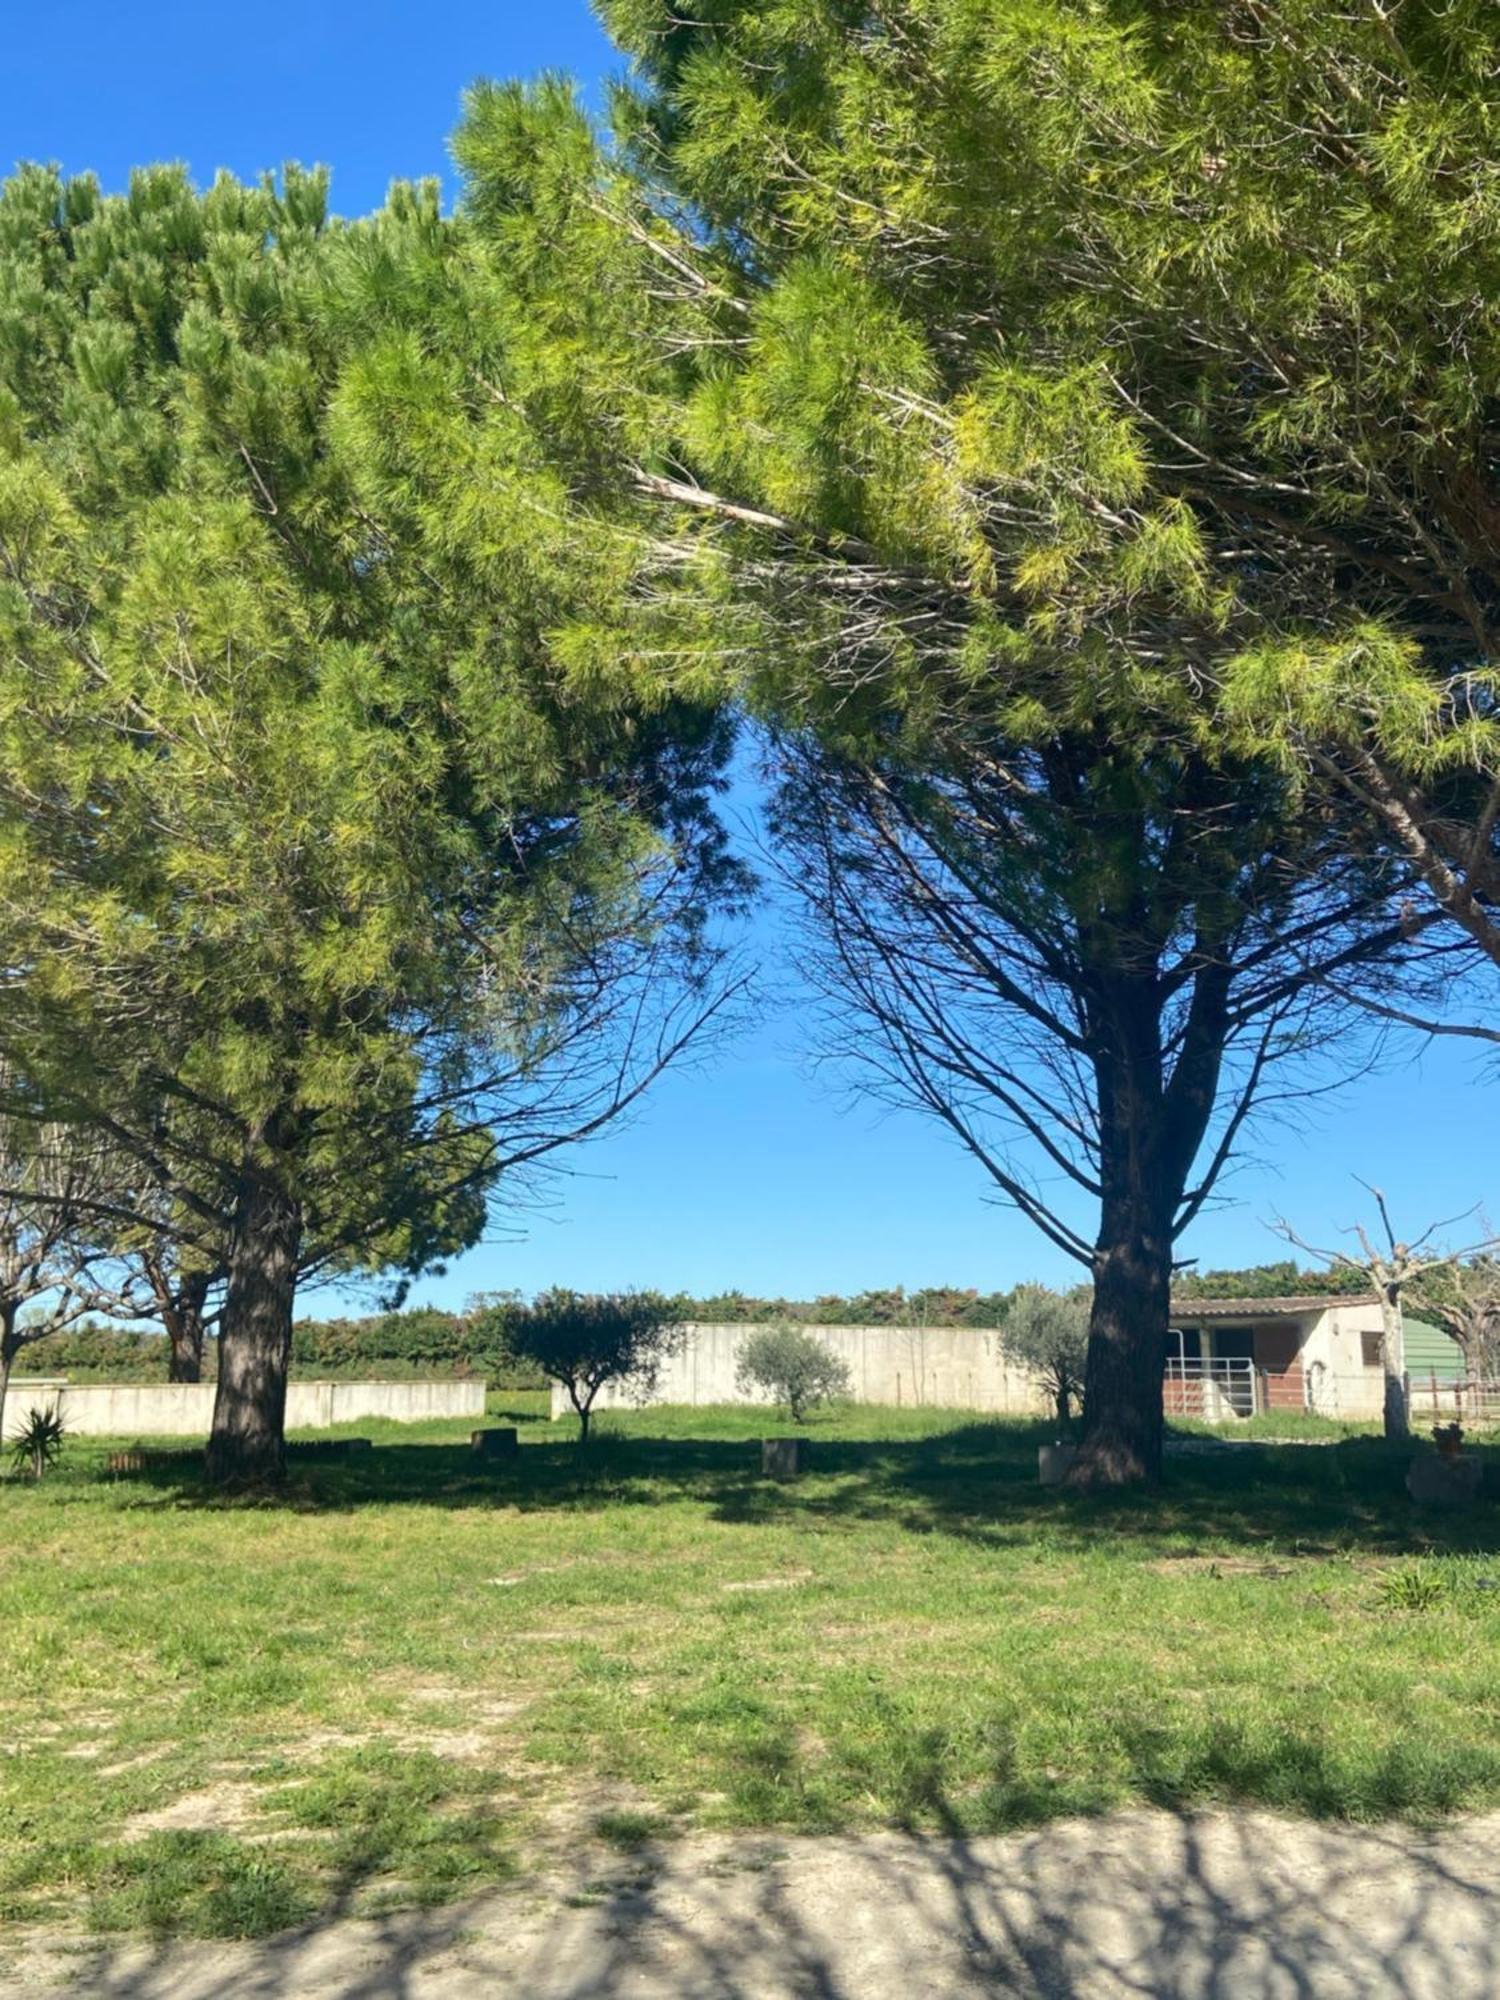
(1145,1905)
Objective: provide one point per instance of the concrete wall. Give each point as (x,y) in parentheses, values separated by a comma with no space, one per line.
(947,1367)
(1341,1382)
(184,1409)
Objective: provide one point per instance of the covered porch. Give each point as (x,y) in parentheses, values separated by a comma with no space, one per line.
(1228,1359)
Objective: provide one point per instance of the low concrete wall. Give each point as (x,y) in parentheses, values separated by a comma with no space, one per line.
(945,1367)
(184,1409)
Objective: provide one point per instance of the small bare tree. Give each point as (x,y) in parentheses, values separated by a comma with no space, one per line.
(1392,1268)
(1464,1298)
(47,1187)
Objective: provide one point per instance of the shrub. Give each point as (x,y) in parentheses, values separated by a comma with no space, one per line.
(794,1369)
(1048,1333)
(39,1442)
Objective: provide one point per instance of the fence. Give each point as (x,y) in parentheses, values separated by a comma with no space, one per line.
(1474,1403)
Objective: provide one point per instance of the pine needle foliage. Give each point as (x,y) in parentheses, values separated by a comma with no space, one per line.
(340,867)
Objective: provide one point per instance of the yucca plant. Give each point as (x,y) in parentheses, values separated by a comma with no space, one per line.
(39,1442)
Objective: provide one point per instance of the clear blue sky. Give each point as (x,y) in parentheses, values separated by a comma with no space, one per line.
(745,1173)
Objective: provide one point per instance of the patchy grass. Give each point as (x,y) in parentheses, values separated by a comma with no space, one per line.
(417,1673)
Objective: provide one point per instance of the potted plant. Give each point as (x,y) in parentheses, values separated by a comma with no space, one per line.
(1449,1439)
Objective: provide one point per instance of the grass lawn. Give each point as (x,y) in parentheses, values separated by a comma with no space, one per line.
(416,1675)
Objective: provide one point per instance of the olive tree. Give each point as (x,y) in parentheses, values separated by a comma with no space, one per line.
(1047,1332)
(792,1367)
(586,1340)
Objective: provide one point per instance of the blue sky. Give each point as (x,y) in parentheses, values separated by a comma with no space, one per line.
(743,1172)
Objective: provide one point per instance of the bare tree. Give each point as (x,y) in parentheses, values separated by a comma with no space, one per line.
(1464,1298)
(50,1177)
(1393,1267)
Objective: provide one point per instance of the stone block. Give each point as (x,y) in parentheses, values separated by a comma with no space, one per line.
(1054,1462)
(1444,1482)
(781,1458)
(502,1442)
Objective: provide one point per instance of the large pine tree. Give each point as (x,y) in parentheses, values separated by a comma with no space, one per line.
(874,427)
(335,881)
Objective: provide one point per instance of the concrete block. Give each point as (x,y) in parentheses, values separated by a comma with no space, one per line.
(1054,1462)
(502,1442)
(1444,1482)
(781,1458)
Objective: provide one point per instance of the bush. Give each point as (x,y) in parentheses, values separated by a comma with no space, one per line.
(422,1341)
(473,1342)
(1048,1332)
(794,1369)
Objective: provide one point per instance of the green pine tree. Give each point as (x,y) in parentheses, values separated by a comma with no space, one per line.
(339,877)
(839,337)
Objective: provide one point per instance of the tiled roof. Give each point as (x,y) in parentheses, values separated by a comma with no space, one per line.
(1282,1308)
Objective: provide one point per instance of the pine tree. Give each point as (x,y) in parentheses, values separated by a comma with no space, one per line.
(886,478)
(334,882)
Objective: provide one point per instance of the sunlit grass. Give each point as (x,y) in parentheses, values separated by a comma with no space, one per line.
(418,1673)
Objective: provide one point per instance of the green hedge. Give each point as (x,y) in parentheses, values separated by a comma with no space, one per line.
(421,1342)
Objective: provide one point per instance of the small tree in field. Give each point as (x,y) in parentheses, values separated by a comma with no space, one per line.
(585,1339)
(1048,1333)
(794,1369)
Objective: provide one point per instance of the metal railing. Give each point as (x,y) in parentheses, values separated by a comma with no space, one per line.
(1215,1390)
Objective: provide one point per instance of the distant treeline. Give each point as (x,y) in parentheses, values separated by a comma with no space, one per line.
(422,1341)
(426,1340)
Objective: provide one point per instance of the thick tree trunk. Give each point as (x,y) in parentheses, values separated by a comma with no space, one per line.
(248,1438)
(183,1320)
(1396,1414)
(1152,1119)
(1122,1398)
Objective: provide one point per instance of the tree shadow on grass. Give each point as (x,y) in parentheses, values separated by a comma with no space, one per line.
(976,1482)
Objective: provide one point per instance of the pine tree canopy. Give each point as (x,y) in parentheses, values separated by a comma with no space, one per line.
(1147,346)
(999,370)
(333,838)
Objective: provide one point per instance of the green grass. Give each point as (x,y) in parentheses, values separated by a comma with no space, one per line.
(415,1674)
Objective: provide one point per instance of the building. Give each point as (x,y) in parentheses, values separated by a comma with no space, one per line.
(1230,1358)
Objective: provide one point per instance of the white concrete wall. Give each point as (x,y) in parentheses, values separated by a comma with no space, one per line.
(947,1367)
(184,1409)
(1340,1384)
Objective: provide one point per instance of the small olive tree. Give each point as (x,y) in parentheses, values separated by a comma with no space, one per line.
(790,1366)
(585,1339)
(1047,1332)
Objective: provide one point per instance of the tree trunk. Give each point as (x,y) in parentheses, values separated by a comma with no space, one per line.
(1151,1125)
(1128,1323)
(248,1438)
(183,1320)
(1396,1414)
(10,1347)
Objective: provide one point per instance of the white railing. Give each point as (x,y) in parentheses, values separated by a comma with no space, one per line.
(1215,1390)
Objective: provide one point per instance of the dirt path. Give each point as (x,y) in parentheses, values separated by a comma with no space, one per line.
(1144,1905)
